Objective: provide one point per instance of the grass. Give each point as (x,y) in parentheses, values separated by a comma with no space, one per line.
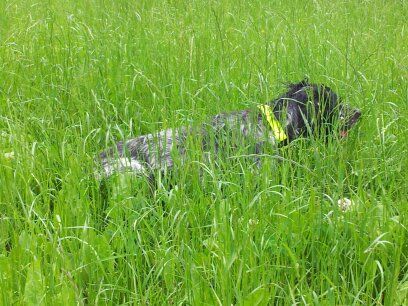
(76,76)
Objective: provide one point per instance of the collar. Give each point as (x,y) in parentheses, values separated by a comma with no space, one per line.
(275,125)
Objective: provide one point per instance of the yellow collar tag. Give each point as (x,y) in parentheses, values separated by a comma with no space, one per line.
(275,125)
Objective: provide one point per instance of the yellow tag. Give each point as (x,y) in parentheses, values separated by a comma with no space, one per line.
(275,125)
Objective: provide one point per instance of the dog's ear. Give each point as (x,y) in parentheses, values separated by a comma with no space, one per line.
(293,116)
(298,86)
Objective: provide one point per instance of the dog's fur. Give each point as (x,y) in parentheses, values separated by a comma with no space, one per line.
(304,110)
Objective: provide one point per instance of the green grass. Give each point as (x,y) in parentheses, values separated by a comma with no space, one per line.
(76,76)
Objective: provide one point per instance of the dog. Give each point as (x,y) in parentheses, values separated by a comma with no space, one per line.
(305,110)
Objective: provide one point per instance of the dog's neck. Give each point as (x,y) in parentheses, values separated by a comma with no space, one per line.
(274,124)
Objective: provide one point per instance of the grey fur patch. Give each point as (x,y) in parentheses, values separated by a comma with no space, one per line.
(155,151)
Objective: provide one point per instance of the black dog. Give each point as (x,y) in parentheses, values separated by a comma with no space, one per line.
(305,110)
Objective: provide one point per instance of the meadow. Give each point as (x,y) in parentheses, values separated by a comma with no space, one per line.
(77,76)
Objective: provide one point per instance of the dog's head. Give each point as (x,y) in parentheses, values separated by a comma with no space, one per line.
(314,109)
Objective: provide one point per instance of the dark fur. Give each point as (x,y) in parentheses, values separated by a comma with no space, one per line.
(304,110)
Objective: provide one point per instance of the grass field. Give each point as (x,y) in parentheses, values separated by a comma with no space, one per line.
(76,76)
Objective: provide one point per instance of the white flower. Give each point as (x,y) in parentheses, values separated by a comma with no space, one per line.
(345,204)
(252,222)
(9,155)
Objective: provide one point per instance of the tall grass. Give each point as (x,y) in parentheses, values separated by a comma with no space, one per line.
(76,76)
